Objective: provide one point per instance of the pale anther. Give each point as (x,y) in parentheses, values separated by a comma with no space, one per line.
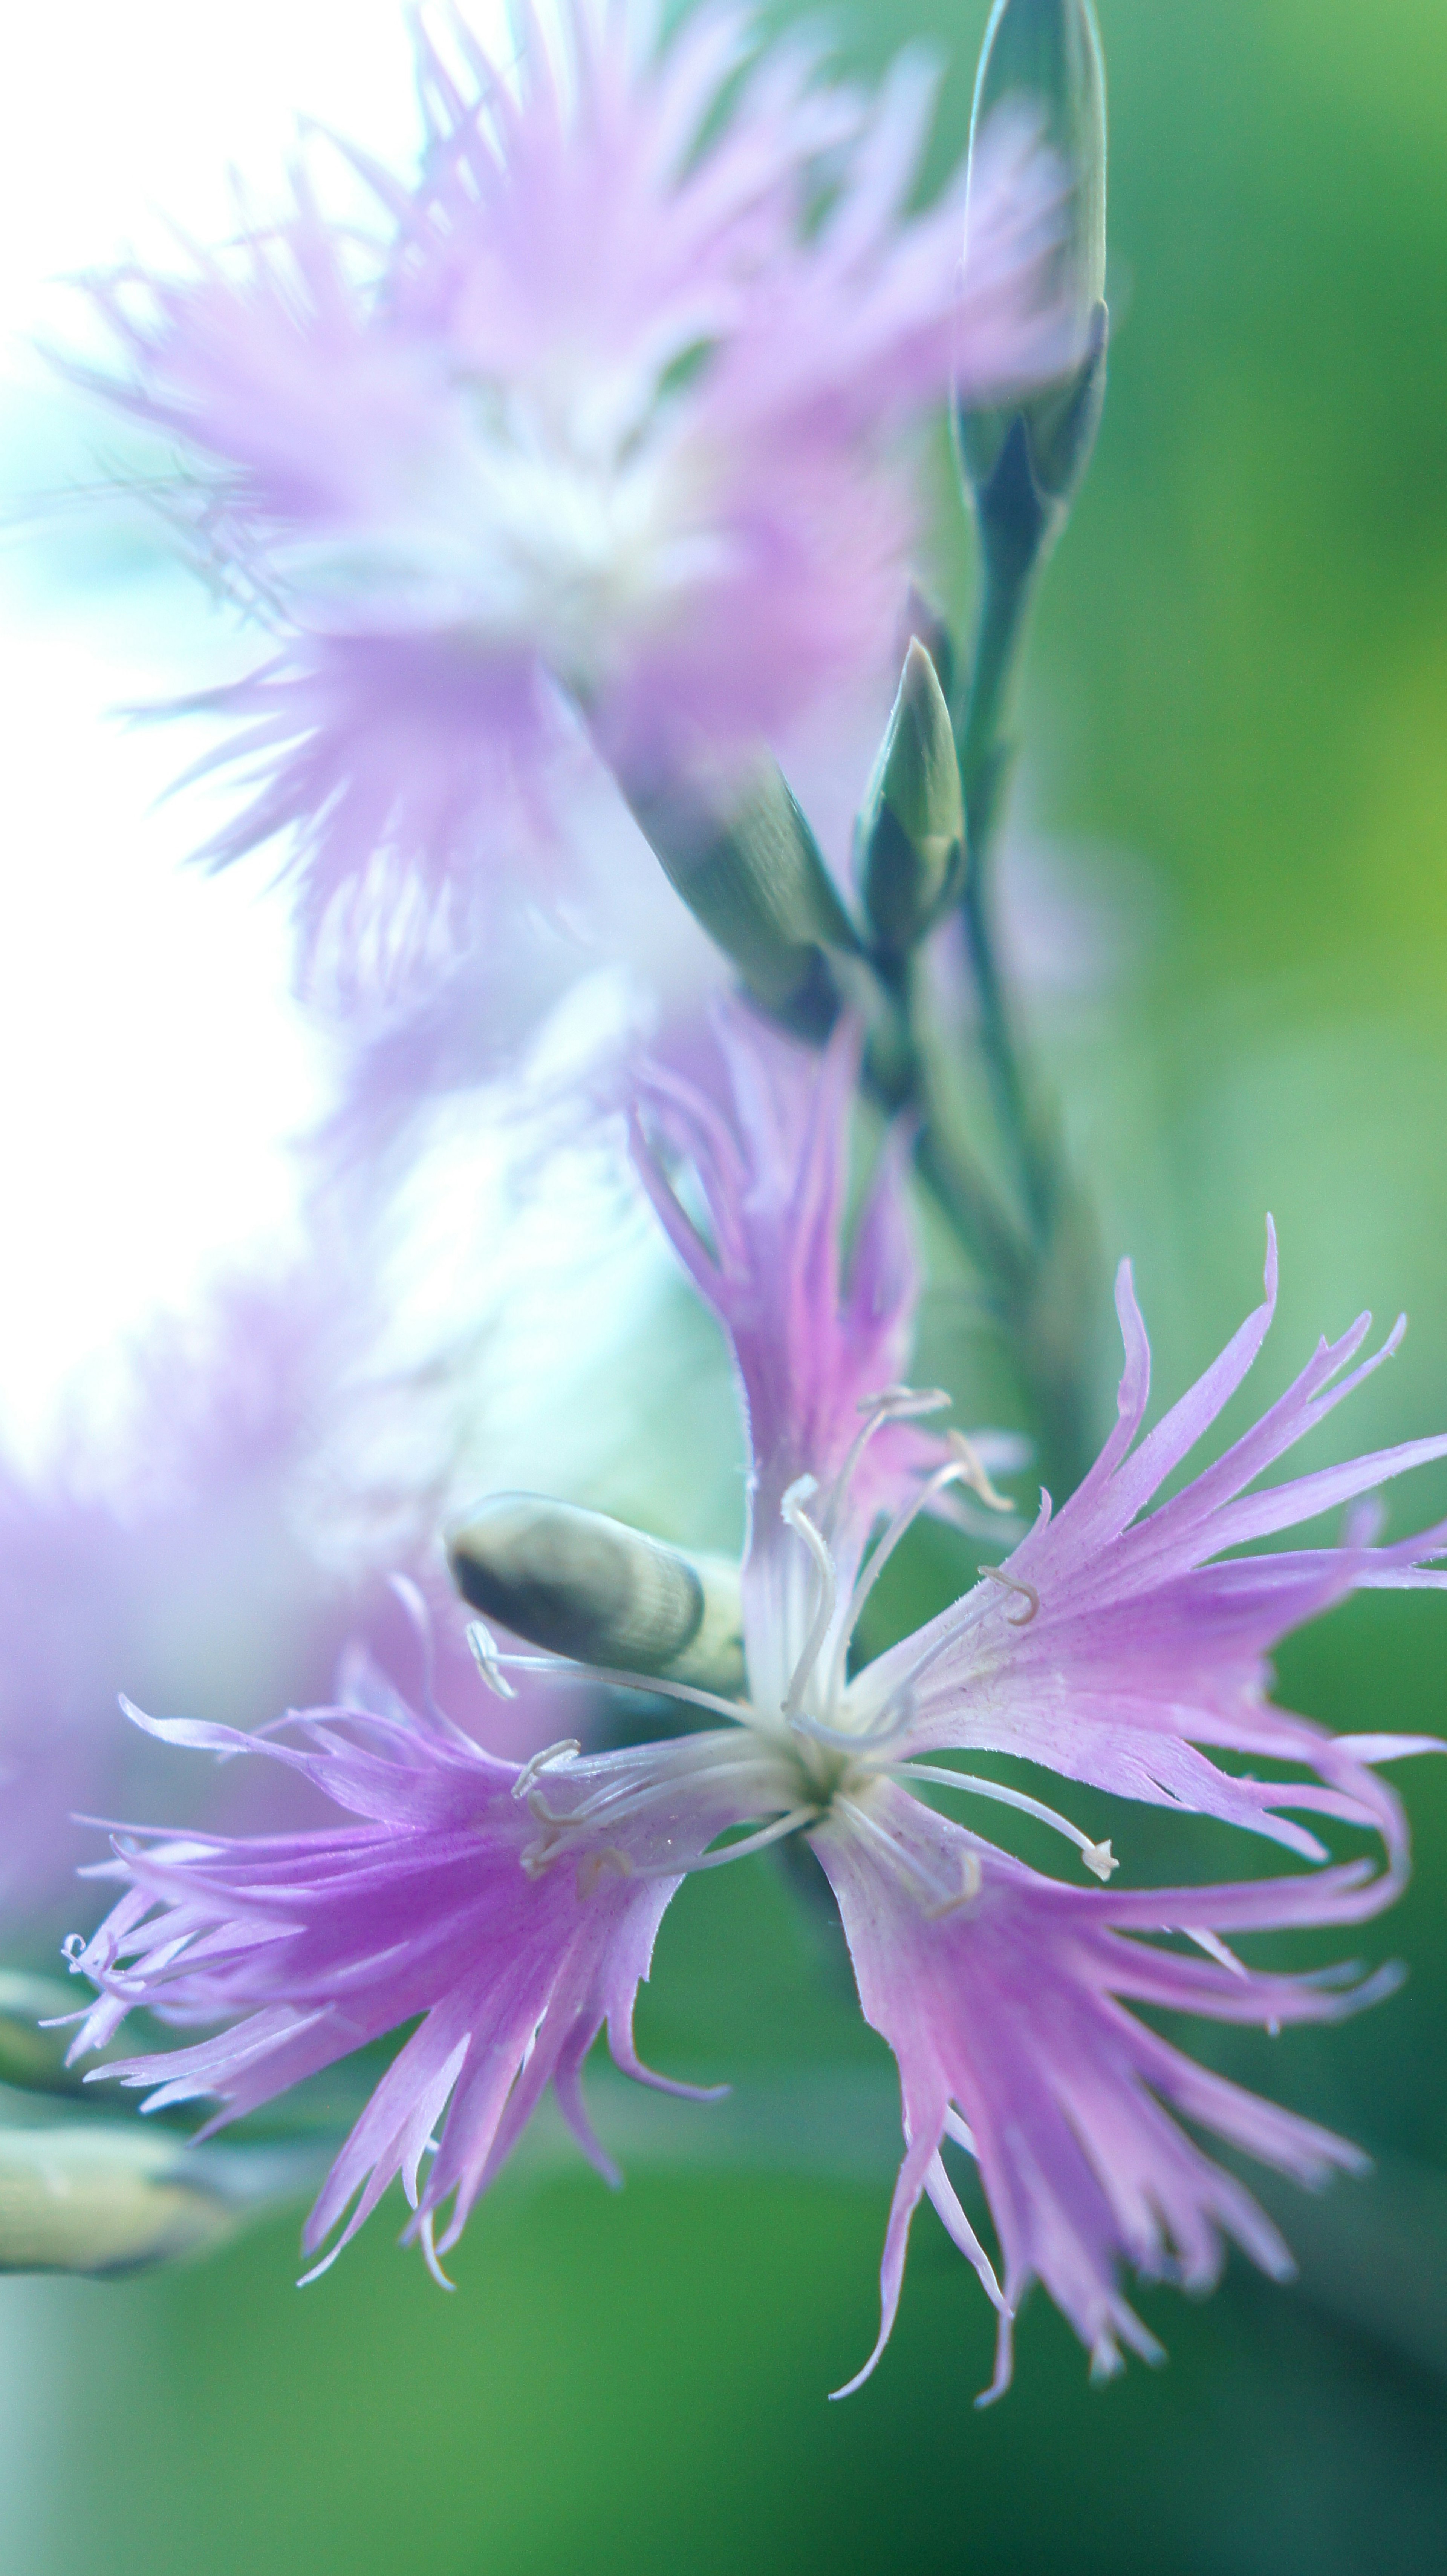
(485,1656)
(1012,1583)
(974,1472)
(563,1750)
(897,1403)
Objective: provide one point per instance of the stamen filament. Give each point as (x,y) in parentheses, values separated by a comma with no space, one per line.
(901,1524)
(488,1661)
(868,1739)
(793,1513)
(786,1824)
(891,1404)
(1097,1857)
(626,1798)
(975,1474)
(562,1669)
(564,1748)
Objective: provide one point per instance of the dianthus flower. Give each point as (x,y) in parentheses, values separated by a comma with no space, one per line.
(609,425)
(514,1907)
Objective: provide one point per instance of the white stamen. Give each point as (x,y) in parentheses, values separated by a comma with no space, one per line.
(488,1661)
(1097,1856)
(1012,1583)
(975,1474)
(891,1404)
(898,1403)
(902,1522)
(561,1668)
(430,2254)
(620,1799)
(886,1729)
(786,1824)
(792,1511)
(563,1750)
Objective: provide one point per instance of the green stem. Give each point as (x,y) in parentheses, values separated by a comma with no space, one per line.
(986,751)
(1039,1271)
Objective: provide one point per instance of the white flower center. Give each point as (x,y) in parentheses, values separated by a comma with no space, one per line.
(556,524)
(808,1743)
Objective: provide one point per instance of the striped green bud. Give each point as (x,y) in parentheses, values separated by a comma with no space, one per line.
(580,1584)
(913,829)
(743,858)
(1046,54)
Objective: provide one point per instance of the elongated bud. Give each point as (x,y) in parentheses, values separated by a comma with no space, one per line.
(103,2197)
(743,858)
(914,816)
(1045,55)
(583,1585)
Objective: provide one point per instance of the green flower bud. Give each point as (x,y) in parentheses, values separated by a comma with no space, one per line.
(580,1584)
(747,865)
(104,2196)
(1046,54)
(913,830)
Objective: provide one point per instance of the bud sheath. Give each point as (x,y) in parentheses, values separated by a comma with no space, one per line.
(582,1585)
(914,816)
(743,858)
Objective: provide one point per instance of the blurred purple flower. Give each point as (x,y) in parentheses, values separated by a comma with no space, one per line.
(606,436)
(176,1555)
(515,1906)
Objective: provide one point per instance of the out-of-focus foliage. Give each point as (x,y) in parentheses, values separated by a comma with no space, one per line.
(1238,679)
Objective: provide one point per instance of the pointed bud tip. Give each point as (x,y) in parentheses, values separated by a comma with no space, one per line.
(913,827)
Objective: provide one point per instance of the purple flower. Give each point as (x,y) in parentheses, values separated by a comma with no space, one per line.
(1111,1647)
(515,1907)
(999,1992)
(819,1346)
(179,1555)
(608,427)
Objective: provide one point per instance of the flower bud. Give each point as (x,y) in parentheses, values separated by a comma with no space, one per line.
(747,865)
(1045,56)
(580,1584)
(100,2197)
(913,831)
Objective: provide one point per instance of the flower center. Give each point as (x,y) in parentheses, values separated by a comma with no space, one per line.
(810,1744)
(548,525)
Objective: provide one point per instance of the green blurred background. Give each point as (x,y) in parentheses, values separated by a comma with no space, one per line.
(1238,682)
